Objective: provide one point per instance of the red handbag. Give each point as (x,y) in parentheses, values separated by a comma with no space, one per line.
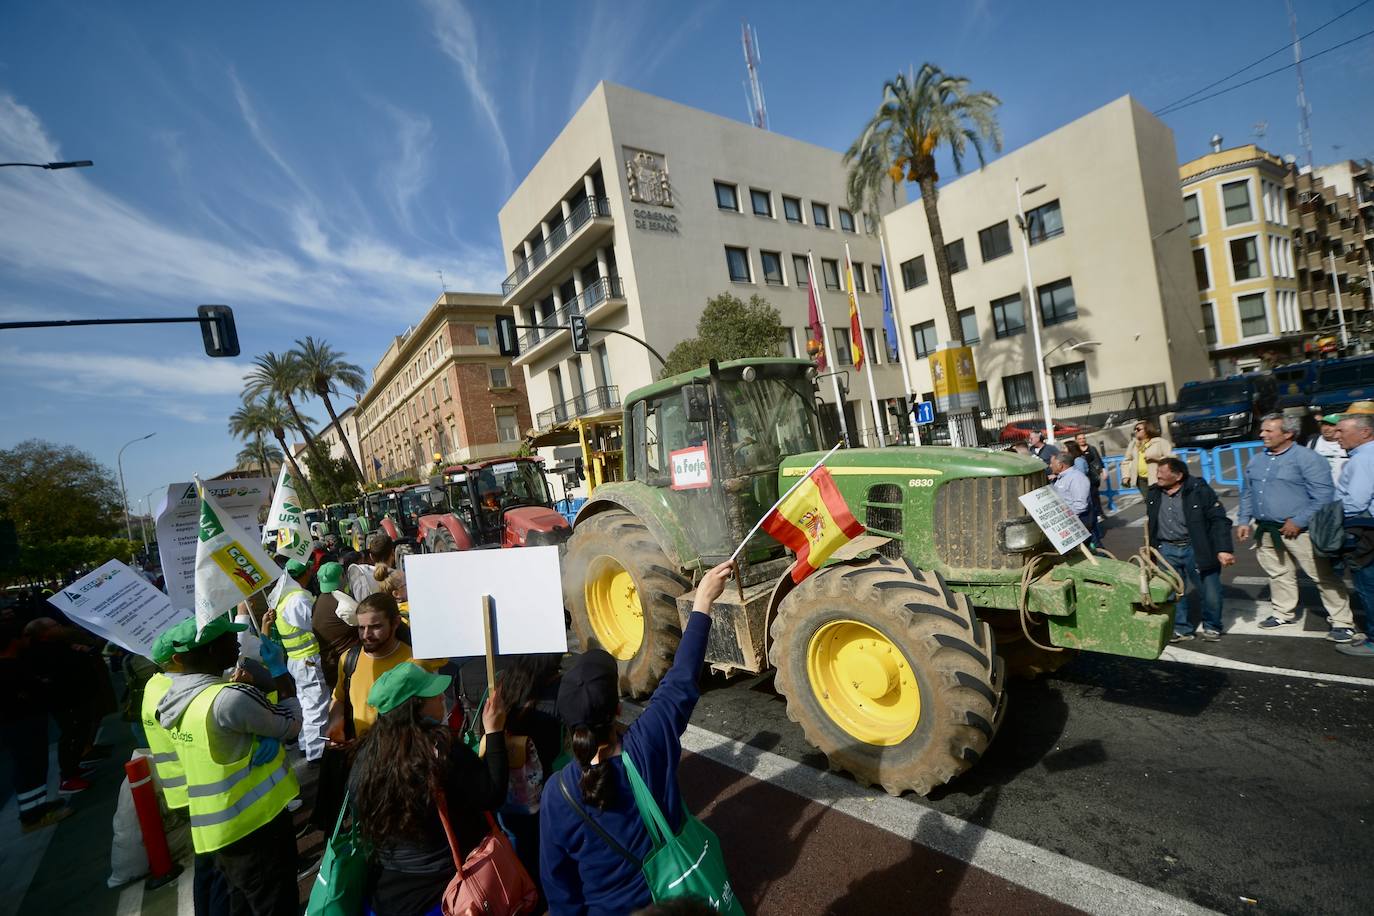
(491,881)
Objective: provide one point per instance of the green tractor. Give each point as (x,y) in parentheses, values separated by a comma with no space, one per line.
(892,657)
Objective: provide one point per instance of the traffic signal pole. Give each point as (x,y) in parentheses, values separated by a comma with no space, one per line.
(216,325)
(568,327)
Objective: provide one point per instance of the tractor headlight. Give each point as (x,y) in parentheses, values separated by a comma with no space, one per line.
(1237,417)
(1019,534)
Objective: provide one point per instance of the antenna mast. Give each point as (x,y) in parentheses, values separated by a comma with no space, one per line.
(1304,109)
(753,90)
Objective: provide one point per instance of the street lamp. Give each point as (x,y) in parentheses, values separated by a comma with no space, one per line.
(147,517)
(1071,344)
(78,164)
(119,461)
(1034,307)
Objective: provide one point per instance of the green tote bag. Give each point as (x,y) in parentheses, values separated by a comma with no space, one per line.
(338,888)
(690,864)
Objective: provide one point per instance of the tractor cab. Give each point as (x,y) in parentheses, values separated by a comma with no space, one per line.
(315,522)
(417,502)
(505,502)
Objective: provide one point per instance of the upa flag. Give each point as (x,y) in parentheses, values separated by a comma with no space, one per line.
(287,518)
(813,522)
(856,331)
(230,565)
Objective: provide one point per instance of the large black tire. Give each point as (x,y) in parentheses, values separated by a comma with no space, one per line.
(617,539)
(440,541)
(1023,660)
(947,649)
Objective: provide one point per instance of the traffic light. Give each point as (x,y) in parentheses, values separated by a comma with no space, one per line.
(581,340)
(506,340)
(218,330)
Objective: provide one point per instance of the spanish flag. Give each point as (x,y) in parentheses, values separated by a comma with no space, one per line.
(856,331)
(813,521)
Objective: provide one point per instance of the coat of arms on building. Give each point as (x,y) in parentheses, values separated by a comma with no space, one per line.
(646,174)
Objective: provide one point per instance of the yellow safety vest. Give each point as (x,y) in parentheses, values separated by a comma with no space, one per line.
(298,643)
(170,774)
(228,801)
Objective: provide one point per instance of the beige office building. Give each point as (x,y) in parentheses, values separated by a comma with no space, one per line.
(640,211)
(1110,265)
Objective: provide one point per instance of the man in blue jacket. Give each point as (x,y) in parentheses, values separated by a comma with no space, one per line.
(1192,530)
(1356,493)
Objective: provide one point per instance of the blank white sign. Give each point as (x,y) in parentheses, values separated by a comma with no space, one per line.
(446,589)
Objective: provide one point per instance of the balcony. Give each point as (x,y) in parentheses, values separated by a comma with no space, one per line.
(555,248)
(607,289)
(597,401)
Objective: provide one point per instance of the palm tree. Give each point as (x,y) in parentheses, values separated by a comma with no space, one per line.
(325,371)
(918,115)
(258,450)
(282,375)
(259,416)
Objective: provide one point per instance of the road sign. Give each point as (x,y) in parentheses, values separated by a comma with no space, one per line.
(581,341)
(506,340)
(925,412)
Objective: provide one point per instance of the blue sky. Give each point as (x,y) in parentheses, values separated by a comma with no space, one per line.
(315,165)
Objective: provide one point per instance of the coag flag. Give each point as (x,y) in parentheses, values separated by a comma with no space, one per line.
(856,330)
(230,565)
(287,518)
(813,522)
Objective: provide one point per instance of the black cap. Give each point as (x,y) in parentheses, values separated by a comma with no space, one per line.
(590,691)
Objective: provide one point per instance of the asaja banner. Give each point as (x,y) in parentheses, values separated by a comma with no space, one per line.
(691,468)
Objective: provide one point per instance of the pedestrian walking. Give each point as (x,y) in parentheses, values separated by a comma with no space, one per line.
(1040,448)
(1189,526)
(1284,486)
(1356,494)
(1327,444)
(292,619)
(1140,465)
(24,729)
(1072,484)
(1097,476)
(73,669)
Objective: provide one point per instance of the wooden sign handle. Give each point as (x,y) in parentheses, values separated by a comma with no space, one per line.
(487,625)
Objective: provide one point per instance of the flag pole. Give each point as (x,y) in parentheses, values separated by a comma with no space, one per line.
(863,344)
(890,300)
(763,518)
(825,345)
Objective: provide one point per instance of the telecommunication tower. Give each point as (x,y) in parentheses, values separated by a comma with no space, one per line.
(753,88)
(1304,109)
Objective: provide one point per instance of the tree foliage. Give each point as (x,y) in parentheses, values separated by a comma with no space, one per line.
(729,328)
(331,480)
(53,491)
(64,557)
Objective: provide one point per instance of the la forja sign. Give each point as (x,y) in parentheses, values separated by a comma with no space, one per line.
(691,468)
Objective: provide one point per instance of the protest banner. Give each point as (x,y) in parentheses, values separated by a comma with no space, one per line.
(1055,518)
(117,603)
(230,563)
(287,519)
(178,528)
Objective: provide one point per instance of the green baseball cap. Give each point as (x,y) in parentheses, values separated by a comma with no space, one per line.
(183,638)
(330,577)
(1332,418)
(162,646)
(294,568)
(403,682)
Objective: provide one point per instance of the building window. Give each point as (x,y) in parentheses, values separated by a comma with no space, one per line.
(871,346)
(923,338)
(1070,384)
(1193,215)
(831,269)
(1019,392)
(499,377)
(820,215)
(802,276)
(1044,222)
(1245,262)
(483,336)
(968,326)
(507,426)
(727,198)
(603,360)
(878,278)
(846,220)
(448,393)
(1235,199)
(914,272)
(955,257)
(789,342)
(984,402)
(791,209)
(995,241)
(860,281)
(737,260)
(1008,317)
(772,267)
(1209,324)
(1254,320)
(1057,302)
(763,202)
(843,355)
(1204,276)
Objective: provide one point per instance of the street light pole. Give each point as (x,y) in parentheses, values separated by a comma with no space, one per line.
(78,164)
(1041,375)
(119,462)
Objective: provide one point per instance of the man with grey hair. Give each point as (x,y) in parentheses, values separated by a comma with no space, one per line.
(1356,494)
(1284,486)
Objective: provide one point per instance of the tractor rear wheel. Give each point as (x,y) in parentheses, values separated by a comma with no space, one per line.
(440,541)
(888,673)
(622,593)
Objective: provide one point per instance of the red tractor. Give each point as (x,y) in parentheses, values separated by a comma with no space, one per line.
(505,502)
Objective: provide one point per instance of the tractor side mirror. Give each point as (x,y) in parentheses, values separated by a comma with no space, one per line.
(696,403)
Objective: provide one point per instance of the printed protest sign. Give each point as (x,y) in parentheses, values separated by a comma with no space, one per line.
(178,528)
(1055,518)
(119,604)
(691,468)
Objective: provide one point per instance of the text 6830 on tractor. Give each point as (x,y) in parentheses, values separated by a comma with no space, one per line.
(892,657)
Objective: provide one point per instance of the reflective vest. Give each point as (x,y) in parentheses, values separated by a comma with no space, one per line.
(170,774)
(230,800)
(298,643)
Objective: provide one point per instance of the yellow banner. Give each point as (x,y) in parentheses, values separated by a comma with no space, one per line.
(235,562)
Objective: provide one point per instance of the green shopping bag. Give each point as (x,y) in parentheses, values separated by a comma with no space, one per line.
(338,888)
(690,864)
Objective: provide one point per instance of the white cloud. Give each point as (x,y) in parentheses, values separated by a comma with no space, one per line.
(404,178)
(121,375)
(456,33)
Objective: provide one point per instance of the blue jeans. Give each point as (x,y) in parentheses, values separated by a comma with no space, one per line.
(1207,584)
(1364,584)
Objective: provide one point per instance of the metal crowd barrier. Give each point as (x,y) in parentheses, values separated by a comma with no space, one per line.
(1222,466)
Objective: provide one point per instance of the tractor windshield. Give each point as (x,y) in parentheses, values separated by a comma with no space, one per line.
(769,418)
(511,483)
(423,501)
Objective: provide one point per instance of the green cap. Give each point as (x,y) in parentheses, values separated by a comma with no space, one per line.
(294,568)
(162,646)
(1332,418)
(330,577)
(401,683)
(182,637)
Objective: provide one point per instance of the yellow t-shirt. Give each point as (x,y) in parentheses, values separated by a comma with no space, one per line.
(366,674)
(1142,467)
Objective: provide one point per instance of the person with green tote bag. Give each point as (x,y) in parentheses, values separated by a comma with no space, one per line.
(615,834)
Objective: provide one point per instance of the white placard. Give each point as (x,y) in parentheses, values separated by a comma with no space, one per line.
(446,589)
(691,468)
(119,604)
(178,528)
(1055,518)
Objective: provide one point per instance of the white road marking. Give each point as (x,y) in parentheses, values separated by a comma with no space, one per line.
(1058,877)
(130,900)
(1189,657)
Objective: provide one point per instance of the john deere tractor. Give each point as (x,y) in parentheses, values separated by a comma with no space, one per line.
(892,657)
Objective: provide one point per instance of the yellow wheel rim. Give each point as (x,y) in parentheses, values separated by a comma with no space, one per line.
(613,607)
(863,682)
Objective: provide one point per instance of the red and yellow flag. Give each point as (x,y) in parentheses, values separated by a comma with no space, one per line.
(813,522)
(856,331)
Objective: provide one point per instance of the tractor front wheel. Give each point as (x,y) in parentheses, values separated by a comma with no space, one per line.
(888,673)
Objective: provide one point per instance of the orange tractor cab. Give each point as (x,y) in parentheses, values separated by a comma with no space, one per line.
(505,502)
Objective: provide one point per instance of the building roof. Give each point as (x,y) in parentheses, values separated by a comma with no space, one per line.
(1229,160)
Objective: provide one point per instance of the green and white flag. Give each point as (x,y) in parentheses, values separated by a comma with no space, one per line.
(230,565)
(287,518)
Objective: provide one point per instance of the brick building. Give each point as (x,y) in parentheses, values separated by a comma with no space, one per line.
(442,388)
